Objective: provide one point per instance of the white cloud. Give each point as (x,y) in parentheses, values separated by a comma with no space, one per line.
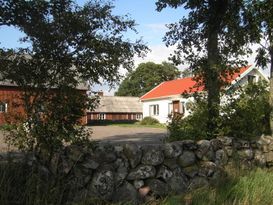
(158,54)
(157,26)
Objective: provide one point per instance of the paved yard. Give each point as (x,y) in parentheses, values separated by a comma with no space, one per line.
(116,135)
(140,135)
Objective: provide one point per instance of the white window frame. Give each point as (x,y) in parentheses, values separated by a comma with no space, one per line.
(3,107)
(182,107)
(154,110)
(251,79)
(138,116)
(170,108)
(102,116)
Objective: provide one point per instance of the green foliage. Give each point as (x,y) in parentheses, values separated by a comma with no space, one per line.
(261,22)
(192,127)
(260,13)
(146,77)
(244,115)
(149,121)
(69,45)
(211,39)
(248,116)
(249,188)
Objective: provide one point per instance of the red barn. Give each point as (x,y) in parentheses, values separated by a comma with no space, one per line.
(11,109)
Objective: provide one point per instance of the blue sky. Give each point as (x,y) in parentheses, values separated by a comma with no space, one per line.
(150,23)
(150,26)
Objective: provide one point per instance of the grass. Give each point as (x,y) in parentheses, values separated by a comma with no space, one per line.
(239,188)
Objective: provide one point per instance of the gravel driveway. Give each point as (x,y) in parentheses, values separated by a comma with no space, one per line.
(117,135)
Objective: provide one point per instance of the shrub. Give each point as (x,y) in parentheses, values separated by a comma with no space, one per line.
(247,117)
(149,121)
(192,127)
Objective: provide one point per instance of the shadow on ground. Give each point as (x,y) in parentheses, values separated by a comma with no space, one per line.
(137,138)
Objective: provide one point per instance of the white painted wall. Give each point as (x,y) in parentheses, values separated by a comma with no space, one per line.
(163,103)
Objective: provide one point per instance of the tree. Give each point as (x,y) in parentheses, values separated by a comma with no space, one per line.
(146,77)
(69,45)
(211,40)
(261,14)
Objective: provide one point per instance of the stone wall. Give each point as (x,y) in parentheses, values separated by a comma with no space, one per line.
(131,172)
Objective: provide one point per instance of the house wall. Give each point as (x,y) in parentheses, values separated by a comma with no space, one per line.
(244,80)
(11,95)
(163,116)
(163,103)
(241,83)
(97,116)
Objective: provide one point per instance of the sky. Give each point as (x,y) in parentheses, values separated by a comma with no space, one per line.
(151,27)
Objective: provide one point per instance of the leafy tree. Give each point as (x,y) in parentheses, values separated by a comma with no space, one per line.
(69,45)
(207,39)
(146,77)
(261,14)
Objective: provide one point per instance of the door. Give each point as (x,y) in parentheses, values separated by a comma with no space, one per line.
(176,107)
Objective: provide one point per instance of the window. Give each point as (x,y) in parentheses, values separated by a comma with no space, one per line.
(154,110)
(251,78)
(3,107)
(182,110)
(102,116)
(170,108)
(138,116)
(41,108)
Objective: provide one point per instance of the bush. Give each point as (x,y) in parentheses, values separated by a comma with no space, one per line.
(149,121)
(192,127)
(247,116)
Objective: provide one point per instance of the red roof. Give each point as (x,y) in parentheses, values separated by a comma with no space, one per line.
(182,85)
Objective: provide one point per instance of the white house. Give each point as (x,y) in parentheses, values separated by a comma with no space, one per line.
(167,98)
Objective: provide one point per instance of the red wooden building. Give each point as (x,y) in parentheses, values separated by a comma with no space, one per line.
(11,109)
(116,108)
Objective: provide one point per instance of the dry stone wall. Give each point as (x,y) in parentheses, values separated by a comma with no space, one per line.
(131,172)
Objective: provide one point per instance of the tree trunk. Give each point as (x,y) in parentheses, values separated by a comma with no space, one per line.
(271,86)
(212,70)
(212,82)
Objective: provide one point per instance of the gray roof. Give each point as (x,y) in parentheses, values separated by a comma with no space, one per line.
(117,104)
(80,86)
